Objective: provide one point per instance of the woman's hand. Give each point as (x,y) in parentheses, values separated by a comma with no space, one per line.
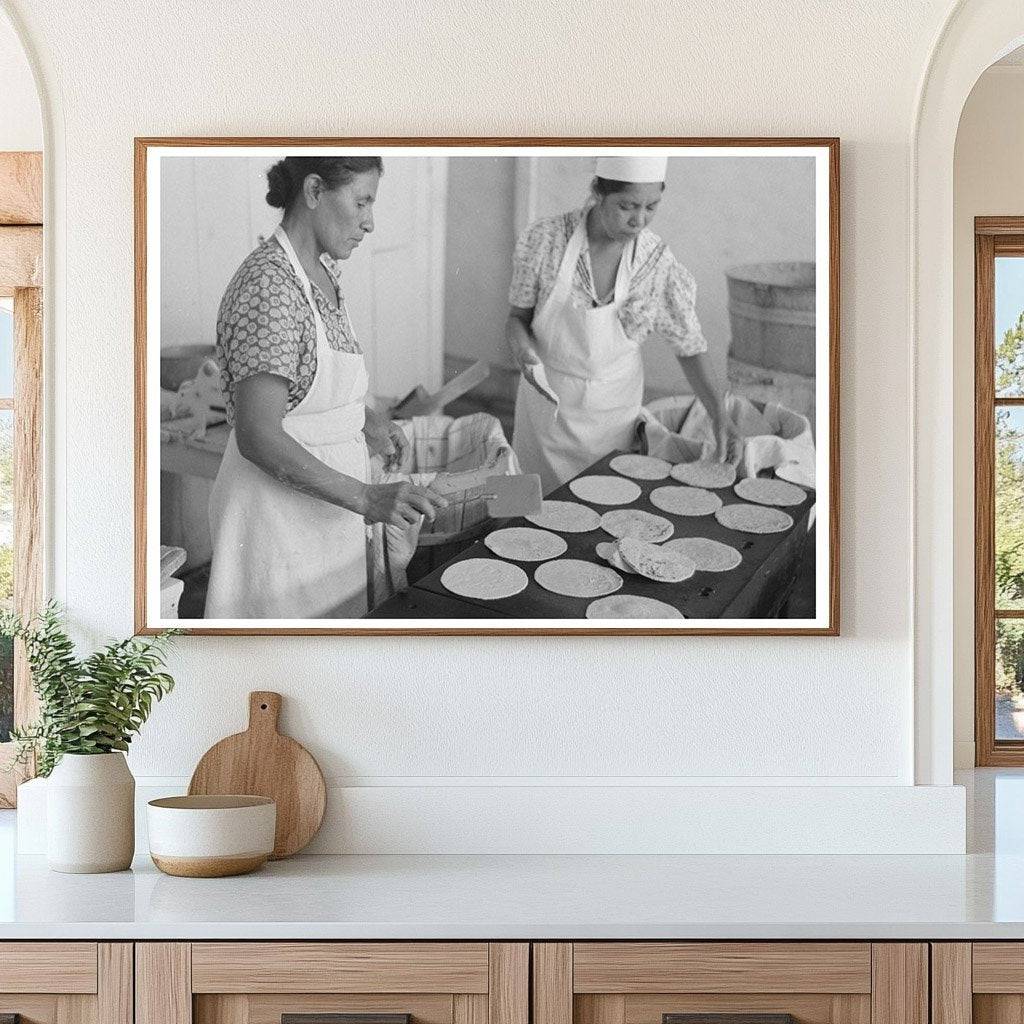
(399,504)
(384,437)
(727,436)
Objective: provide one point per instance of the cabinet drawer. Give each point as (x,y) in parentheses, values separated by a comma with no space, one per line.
(261,982)
(48,967)
(340,967)
(635,967)
(649,982)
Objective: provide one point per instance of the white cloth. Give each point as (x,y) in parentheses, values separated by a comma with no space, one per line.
(643,168)
(594,369)
(279,553)
(679,430)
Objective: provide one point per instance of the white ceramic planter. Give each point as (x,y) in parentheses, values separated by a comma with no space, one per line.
(90,814)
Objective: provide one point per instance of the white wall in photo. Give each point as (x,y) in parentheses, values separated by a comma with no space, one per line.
(450,719)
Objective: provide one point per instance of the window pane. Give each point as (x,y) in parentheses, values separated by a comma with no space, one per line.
(1009,679)
(1009,325)
(1009,512)
(6,348)
(6,567)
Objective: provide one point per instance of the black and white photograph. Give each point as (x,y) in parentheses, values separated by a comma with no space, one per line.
(393,386)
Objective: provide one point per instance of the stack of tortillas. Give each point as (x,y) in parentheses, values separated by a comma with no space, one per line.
(635,522)
(655,562)
(708,555)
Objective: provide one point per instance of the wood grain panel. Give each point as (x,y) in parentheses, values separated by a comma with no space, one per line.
(163,983)
(48,967)
(850,1009)
(951,982)
(229,1009)
(552,983)
(807,1008)
(76,1010)
(339,967)
(508,991)
(995,1009)
(39,1009)
(267,1009)
(899,991)
(599,1009)
(998,967)
(21,258)
(115,983)
(634,967)
(469,1009)
(21,188)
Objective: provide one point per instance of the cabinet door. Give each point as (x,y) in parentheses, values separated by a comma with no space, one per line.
(751,982)
(66,982)
(306,982)
(981,982)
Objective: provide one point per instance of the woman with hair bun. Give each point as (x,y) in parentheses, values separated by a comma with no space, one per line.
(587,289)
(292,499)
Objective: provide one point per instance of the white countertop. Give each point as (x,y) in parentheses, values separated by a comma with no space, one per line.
(532,897)
(977,896)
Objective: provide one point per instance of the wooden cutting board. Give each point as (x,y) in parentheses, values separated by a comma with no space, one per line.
(262,762)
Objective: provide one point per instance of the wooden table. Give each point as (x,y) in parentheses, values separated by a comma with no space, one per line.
(757,588)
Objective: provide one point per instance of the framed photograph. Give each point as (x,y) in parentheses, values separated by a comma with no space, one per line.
(487,386)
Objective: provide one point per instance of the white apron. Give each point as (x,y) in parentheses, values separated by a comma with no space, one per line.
(593,367)
(279,553)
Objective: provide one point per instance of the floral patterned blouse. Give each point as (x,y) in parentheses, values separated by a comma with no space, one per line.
(265,324)
(661,295)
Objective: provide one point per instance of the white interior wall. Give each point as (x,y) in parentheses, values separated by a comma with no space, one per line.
(21,124)
(438,714)
(987,182)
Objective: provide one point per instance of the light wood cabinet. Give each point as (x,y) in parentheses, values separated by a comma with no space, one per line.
(646,982)
(66,982)
(260,982)
(979,982)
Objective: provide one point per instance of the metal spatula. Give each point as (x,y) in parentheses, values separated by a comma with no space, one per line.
(508,496)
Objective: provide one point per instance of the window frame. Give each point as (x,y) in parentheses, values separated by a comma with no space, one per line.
(21,261)
(993,237)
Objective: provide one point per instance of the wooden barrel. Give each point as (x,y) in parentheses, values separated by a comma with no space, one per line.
(771,312)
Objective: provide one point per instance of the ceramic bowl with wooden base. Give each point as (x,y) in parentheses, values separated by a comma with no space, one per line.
(211,836)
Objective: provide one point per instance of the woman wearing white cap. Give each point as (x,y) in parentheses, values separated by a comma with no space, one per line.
(587,289)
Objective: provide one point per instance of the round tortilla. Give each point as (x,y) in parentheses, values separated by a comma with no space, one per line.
(635,522)
(609,551)
(763,491)
(572,577)
(705,473)
(631,606)
(685,501)
(656,563)
(641,467)
(708,555)
(605,490)
(487,579)
(754,519)
(566,517)
(524,544)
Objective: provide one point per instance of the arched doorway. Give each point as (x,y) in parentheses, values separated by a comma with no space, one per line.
(975,35)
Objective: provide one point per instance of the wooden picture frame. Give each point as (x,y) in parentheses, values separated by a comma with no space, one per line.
(21,268)
(822,510)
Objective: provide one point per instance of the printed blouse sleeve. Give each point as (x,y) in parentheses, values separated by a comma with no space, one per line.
(526,264)
(258,330)
(676,320)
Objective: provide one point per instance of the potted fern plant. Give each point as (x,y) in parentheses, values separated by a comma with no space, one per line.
(89,710)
